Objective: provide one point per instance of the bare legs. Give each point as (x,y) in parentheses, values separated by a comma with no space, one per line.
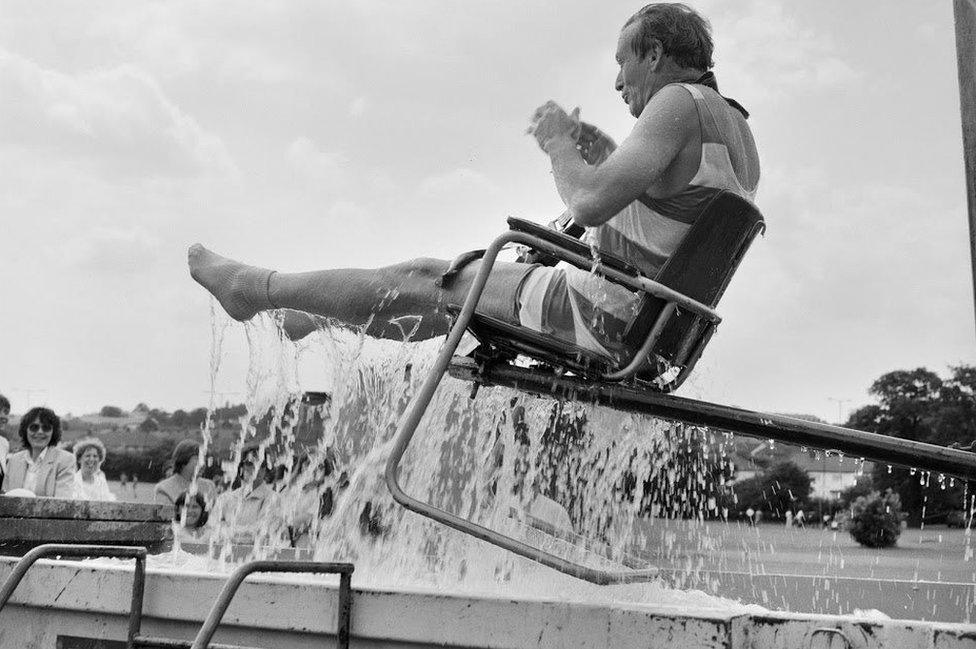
(395,301)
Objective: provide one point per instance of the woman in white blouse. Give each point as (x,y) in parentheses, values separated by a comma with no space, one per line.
(90,483)
(41,469)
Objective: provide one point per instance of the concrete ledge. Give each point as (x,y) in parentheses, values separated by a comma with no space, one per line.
(81,599)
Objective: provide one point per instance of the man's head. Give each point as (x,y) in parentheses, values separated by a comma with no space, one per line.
(660,44)
(185,457)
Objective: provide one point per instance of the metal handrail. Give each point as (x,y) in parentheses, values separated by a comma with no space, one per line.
(110,551)
(345,570)
(426,392)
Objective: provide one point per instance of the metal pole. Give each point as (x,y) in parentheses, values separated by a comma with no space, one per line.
(965,16)
(854,443)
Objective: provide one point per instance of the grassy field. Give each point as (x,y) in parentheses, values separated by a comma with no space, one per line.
(931,554)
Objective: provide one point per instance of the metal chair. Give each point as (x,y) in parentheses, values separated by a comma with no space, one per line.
(675,320)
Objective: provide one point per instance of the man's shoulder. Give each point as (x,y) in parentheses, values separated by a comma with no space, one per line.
(671,112)
(674,97)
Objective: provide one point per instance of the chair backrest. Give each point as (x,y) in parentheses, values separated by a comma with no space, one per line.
(700,268)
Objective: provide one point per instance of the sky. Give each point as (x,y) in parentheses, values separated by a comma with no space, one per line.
(307,135)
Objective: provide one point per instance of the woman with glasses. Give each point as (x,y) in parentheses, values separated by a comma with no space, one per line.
(42,469)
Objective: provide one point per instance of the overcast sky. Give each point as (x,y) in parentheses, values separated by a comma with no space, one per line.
(303,135)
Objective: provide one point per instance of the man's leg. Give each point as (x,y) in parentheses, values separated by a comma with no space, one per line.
(396,301)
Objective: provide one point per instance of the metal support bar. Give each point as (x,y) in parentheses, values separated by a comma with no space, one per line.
(850,442)
(964,12)
(426,392)
(202,641)
(171,643)
(111,551)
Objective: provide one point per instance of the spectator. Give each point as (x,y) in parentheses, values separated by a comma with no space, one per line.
(191,518)
(246,508)
(90,483)
(186,455)
(41,468)
(4,443)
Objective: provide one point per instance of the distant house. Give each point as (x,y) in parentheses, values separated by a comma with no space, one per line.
(830,473)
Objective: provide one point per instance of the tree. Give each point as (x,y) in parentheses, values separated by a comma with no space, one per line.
(786,487)
(918,405)
(111,411)
(876,519)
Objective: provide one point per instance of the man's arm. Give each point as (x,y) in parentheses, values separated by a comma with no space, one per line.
(594,194)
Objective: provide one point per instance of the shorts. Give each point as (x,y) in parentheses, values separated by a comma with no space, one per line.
(500,298)
(577,307)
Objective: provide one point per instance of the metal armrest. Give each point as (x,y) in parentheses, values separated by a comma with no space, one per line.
(569,243)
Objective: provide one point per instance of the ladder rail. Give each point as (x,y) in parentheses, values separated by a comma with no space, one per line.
(216,614)
(109,551)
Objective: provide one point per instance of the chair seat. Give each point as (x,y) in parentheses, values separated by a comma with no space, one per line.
(507,339)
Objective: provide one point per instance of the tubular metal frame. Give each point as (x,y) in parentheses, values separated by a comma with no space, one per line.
(858,444)
(440,367)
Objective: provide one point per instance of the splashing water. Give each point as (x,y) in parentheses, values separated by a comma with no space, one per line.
(613,489)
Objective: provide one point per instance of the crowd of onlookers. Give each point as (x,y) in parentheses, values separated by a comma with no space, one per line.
(44,468)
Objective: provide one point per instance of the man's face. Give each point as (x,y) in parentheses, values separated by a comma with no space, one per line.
(635,81)
(4,418)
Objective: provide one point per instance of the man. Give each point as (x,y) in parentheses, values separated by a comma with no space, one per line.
(637,201)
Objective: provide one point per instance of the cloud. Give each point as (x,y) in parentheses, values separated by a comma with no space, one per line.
(358,106)
(120,253)
(767,52)
(313,164)
(118,119)
(461,183)
(350,213)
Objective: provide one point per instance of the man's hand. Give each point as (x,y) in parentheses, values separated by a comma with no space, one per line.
(550,122)
(595,146)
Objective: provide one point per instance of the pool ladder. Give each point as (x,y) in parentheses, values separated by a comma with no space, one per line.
(134,638)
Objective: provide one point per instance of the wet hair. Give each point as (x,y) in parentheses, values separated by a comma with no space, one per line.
(4,403)
(86,443)
(181,501)
(185,451)
(46,416)
(684,34)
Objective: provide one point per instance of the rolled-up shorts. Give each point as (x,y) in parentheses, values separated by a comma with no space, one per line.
(567,303)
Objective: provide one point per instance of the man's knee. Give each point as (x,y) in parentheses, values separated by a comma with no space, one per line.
(421,269)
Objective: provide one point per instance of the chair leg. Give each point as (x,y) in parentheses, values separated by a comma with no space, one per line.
(412,420)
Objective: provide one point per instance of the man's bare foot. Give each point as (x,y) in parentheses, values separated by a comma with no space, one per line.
(298,324)
(241,289)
